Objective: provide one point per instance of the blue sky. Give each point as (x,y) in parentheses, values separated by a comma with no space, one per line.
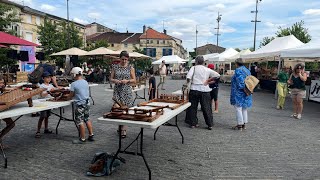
(180,17)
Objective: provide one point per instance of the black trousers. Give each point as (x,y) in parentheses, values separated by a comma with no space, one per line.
(206,107)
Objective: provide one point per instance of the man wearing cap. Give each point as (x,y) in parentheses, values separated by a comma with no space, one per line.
(162,72)
(199,76)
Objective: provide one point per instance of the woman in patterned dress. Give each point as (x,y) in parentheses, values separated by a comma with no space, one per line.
(122,75)
(238,97)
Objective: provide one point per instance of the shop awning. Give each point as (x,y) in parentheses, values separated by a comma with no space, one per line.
(7,39)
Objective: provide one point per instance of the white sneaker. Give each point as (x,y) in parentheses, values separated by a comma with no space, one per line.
(298,116)
(293,115)
(278,107)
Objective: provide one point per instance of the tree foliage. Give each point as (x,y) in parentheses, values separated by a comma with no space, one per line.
(8,15)
(139,50)
(54,37)
(265,41)
(297,30)
(237,49)
(97,44)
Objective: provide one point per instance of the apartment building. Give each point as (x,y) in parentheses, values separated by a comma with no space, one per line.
(31,19)
(155,44)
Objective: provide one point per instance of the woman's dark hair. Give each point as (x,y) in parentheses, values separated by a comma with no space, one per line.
(239,62)
(124,53)
(151,71)
(299,65)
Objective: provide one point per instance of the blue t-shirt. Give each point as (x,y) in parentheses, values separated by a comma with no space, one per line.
(81,91)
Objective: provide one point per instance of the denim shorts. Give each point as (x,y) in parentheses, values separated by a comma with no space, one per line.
(45,114)
(82,113)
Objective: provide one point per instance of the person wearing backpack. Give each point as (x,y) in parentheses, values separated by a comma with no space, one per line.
(238,98)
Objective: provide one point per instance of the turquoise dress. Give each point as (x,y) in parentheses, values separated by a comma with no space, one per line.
(238,97)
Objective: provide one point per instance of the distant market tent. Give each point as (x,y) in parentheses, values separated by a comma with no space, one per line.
(172,59)
(71,52)
(207,56)
(222,56)
(7,39)
(233,58)
(273,49)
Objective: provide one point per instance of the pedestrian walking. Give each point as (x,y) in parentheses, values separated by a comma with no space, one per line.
(298,89)
(163,73)
(282,87)
(214,85)
(199,76)
(238,98)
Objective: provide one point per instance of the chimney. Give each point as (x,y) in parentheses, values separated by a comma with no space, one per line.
(164,31)
(144,28)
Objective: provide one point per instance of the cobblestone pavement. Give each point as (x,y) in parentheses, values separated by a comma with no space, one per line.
(274,146)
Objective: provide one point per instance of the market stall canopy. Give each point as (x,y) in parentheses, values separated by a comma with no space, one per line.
(173,59)
(207,56)
(233,58)
(71,52)
(100,51)
(274,48)
(309,50)
(138,55)
(7,39)
(226,54)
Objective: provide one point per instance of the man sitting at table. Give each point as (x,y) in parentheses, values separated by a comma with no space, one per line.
(44,115)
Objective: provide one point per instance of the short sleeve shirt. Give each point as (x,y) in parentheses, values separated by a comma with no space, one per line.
(48,88)
(81,91)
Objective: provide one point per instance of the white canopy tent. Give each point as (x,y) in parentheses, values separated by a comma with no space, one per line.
(173,59)
(233,58)
(207,56)
(225,54)
(309,50)
(273,49)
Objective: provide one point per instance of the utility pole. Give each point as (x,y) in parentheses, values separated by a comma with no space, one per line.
(196,40)
(255,24)
(68,30)
(218,28)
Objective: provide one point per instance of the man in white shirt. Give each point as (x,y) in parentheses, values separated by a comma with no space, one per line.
(199,76)
(162,72)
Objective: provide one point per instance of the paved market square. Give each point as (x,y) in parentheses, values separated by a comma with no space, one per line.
(274,146)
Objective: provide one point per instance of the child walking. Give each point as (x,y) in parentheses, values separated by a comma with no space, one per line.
(80,91)
(44,115)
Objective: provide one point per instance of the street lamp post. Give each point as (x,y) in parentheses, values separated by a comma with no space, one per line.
(218,28)
(68,30)
(196,40)
(255,24)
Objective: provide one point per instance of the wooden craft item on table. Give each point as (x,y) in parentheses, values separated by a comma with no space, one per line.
(146,115)
(64,81)
(179,100)
(16,96)
(60,94)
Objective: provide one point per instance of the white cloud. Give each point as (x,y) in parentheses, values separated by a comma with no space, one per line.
(47,7)
(94,15)
(178,34)
(312,12)
(23,2)
(220,6)
(81,21)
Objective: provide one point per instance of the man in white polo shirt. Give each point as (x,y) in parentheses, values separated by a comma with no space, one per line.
(163,73)
(199,76)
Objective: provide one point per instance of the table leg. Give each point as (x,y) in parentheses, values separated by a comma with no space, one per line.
(168,124)
(119,149)
(73,118)
(141,151)
(4,155)
(60,118)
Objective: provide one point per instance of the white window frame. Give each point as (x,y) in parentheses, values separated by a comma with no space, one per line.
(29,18)
(38,20)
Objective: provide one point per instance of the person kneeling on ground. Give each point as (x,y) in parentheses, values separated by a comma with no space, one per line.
(44,115)
(80,91)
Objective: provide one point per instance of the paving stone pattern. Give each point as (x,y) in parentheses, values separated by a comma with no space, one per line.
(274,146)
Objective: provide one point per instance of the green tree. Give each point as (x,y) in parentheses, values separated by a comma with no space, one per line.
(265,41)
(297,30)
(237,49)
(99,43)
(138,50)
(4,60)
(50,38)
(8,15)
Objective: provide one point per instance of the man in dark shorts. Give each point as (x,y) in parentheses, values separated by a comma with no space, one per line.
(214,92)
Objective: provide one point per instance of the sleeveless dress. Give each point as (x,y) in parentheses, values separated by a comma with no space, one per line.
(123,92)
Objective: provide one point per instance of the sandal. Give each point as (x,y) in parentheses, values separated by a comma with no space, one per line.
(38,135)
(47,131)
(237,127)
